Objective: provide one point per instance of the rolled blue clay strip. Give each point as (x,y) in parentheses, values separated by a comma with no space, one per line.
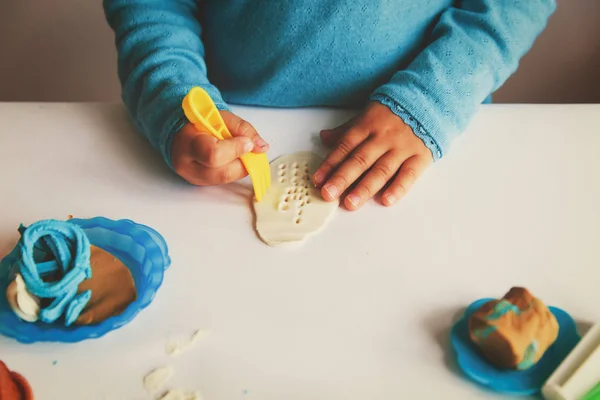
(69,249)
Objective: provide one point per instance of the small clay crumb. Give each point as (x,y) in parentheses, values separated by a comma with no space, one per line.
(199,334)
(177,394)
(175,347)
(157,378)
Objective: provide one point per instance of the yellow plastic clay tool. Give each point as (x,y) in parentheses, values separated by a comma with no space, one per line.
(201,111)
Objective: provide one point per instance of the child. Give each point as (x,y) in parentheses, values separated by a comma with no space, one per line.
(419,69)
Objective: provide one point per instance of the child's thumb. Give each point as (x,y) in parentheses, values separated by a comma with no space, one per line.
(229,150)
(240,127)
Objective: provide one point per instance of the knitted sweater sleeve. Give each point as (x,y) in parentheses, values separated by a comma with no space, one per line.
(474,47)
(160,58)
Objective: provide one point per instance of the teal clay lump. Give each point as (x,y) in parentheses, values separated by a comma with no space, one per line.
(513,332)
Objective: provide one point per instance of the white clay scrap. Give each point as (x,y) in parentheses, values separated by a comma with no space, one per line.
(293,208)
(177,394)
(198,335)
(175,347)
(157,378)
(25,305)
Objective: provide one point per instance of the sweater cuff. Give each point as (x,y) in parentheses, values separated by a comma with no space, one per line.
(409,120)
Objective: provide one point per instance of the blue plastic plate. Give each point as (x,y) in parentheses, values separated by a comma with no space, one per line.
(139,247)
(520,383)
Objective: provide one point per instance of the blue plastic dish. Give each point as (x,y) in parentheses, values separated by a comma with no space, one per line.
(519,383)
(139,247)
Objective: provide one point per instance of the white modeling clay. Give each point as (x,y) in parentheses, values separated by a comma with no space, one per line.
(176,347)
(157,378)
(199,334)
(23,303)
(293,208)
(181,395)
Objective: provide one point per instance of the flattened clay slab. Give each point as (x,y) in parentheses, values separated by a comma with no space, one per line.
(112,286)
(293,208)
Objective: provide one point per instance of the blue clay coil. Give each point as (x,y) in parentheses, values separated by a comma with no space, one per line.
(142,249)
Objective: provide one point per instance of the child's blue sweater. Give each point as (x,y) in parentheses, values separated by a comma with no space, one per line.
(432,62)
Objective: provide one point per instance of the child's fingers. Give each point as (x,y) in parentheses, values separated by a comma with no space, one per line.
(378,176)
(410,171)
(347,144)
(240,127)
(330,137)
(213,153)
(351,169)
(229,173)
(200,175)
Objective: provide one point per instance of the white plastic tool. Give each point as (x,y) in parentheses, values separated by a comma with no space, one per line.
(579,372)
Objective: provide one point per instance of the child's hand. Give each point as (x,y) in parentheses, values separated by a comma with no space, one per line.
(203,160)
(377,143)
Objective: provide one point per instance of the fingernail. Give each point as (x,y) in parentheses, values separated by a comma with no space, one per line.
(333,191)
(354,200)
(318,177)
(391,199)
(261,143)
(248,147)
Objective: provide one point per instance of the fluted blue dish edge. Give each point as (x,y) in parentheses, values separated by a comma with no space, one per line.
(112,236)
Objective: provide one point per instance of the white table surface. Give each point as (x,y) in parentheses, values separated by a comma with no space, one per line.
(361,311)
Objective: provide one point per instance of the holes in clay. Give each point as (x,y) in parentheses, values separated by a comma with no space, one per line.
(281,180)
(296,196)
